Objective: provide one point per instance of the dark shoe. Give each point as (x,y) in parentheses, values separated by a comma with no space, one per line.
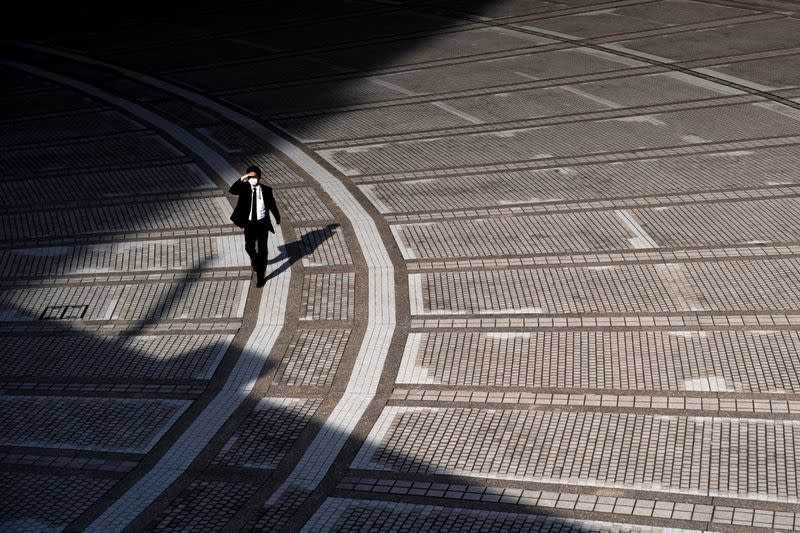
(261,281)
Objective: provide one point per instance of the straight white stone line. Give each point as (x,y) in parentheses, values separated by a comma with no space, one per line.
(185,450)
(641,240)
(415,299)
(461,114)
(589,96)
(333,510)
(392,86)
(410,371)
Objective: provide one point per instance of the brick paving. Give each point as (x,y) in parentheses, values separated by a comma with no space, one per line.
(537,270)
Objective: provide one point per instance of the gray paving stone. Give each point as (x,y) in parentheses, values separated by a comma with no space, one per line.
(134,357)
(740,361)
(39,502)
(312,358)
(339,514)
(268,434)
(100,424)
(673,454)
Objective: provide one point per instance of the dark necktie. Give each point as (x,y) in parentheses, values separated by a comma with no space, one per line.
(253,210)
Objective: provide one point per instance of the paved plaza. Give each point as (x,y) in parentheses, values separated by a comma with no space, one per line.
(538,267)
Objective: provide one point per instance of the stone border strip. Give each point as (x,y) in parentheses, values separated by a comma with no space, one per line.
(333,510)
(628,401)
(634,321)
(523,209)
(568,501)
(363,382)
(638,256)
(605,157)
(242,378)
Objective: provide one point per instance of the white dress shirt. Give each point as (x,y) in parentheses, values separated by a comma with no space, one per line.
(261,208)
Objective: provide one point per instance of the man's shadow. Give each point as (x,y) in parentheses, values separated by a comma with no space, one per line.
(291,252)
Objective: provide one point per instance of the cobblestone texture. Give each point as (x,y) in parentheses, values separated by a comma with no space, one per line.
(337,514)
(312,358)
(102,424)
(328,296)
(38,502)
(269,433)
(134,357)
(204,506)
(764,361)
(684,455)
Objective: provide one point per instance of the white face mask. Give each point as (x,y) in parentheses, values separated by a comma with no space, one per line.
(253,181)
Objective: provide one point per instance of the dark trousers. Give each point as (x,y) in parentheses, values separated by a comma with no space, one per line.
(255,243)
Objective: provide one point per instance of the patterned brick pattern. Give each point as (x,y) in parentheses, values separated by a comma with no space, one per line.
(187,213)
(86,155)
(38,502)
(204,506)
(305,204)
(328,296)
(104,186)
(201,299)
(323,246)
(269,433)
(719,514)
(630,178)
(614,289)
(101,424)
(341,515)
(312,358)
(741,361)
(122,258)
(48,130)
(687,455)
(112,357)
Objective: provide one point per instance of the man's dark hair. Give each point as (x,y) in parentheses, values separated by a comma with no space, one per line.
(253,168)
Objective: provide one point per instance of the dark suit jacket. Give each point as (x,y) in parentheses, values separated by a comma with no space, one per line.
(241,213)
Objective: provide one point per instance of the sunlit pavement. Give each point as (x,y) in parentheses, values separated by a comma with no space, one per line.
(538,269)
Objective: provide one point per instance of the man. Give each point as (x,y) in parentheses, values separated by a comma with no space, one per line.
(251,213)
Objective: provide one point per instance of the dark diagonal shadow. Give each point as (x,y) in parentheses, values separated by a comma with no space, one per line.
(292,252)
(303,60)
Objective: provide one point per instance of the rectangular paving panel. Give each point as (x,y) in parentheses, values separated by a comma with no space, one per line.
(438,47)
(778,72)
(372,122)
(732,40)
(54,129)
(522,68)
(677,174)
(269,433)
(99,424)
(177,357)
(304,203)
(546,234)
(732,286)
(42,502)
(229,77)
(634,18)
(741,458)
(142,256)
(312,358)
(313,95)
(143,301)
(712,224)
(203,506)
(345,514)
(17,106)
(680,128)
(323,246)
(328,297)
(129,149)
(727,361)
(123,217)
